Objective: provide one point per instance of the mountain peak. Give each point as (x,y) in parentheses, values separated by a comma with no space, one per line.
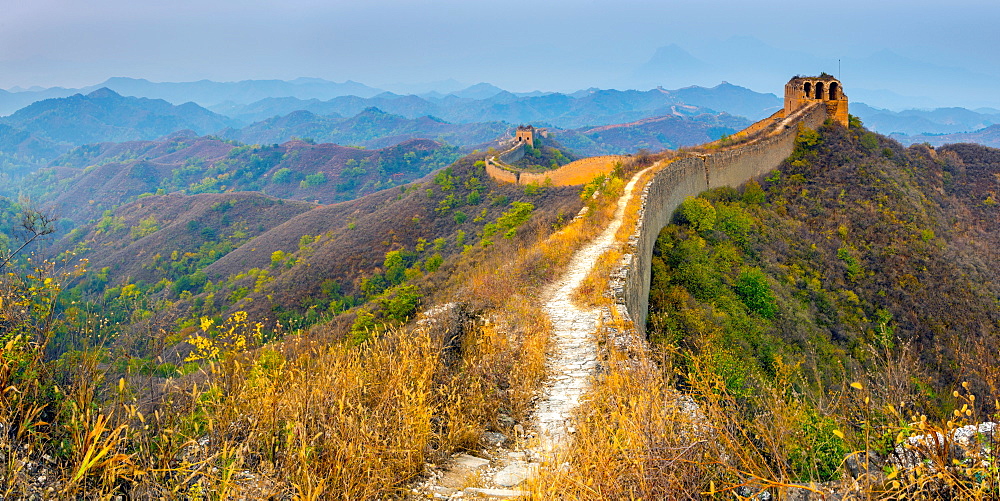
(480,90)
(104,93)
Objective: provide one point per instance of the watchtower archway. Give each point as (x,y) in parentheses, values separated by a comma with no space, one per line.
(808,91)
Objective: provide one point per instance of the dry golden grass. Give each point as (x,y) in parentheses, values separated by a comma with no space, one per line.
(591,292)
(330,421)
(633,441)
(638,438)
(305,418)
(594,286)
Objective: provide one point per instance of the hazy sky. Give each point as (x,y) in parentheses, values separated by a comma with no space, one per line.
(518,45)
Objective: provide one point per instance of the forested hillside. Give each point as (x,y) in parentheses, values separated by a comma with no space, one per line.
(91,179)
(857,262)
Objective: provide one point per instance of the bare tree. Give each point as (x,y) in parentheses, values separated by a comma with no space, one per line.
(34,225)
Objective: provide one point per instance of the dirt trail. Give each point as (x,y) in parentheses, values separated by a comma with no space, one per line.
(573,359)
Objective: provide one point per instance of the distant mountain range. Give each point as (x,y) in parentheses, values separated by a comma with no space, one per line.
(254,100)
(203,92)
(372,128)
(884,78)
(936,121)
(591,107)
(590,122)
(653,134)
(46,128)
(104,115)
(988,136)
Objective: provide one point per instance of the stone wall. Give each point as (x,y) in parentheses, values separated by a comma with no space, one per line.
(512,155)
(499,173)
(573,173)
(496,166)
(689,176)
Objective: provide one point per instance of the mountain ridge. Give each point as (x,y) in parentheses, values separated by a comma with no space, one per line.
(105,115)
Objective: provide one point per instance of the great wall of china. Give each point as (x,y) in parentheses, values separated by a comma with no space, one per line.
(746,155)
(667,183)
(574,357)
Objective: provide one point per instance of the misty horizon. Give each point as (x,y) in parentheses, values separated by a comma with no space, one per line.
(900,53)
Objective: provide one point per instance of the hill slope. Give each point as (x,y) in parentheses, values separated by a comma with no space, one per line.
(295,262)
(857,254)
(371,128)
(93,178)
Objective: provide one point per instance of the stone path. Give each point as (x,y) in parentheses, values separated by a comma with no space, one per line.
(573,360)
(571,364)
(472,477)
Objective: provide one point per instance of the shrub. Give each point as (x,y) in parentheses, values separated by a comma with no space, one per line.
(146,227)
(399,303)
(508,222)
(434,262)
(313,180)
(282,175)
(698,212)
(756,293)
(473,198)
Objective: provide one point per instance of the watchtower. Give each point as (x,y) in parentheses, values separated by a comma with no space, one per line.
(525,134)
(803,91)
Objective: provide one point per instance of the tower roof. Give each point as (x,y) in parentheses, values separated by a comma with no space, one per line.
(824,77)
